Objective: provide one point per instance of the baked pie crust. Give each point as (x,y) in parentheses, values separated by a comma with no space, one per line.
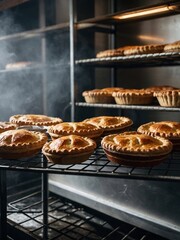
(5,126)
(103,95)
(21,143)
(34,119)
(172,47)
(166,129)
(144,49)
(168,98)
(136,149)
(75,128)
(110,124)
(69,149)
(133,97)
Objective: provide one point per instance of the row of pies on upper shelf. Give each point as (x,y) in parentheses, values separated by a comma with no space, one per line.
(167,96)
(143,49)
(73,142)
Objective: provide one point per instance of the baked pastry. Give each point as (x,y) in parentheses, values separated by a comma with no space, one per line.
(110,53)
(144,49)
(159,88)
(69,149)
(166,129)
(19,65)
(103,95)
(75,128)
(168,98)
(5,126)
(21,143)
(136,149)
(172,47)
(110,124)
(34,119)
(133,97)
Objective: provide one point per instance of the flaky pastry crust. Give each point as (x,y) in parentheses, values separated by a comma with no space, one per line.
(172,47)
(5,126)
(76,128)
(168,98)
(21,143)
(34,119)
(69,149)
(166,129)
(133,96)
(108,123)
(103,95)
(133,143)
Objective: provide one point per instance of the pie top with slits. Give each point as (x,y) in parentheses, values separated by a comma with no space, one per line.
(136,144)
(164,129)
(34,119)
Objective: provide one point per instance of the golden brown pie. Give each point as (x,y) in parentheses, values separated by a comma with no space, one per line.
(69,149)
(5,126)
(172,47)
(168,98)
(21,143)
(144,49)
(34,119)
(110,124)
(133,97)
(75,128)
(159,88)
(166,129)
(19,65)
(103,95)
(110,53)
(136,149)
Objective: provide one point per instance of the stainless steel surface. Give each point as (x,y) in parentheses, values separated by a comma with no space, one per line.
(151,205)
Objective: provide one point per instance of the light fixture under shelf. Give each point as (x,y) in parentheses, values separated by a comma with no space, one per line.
(146,12)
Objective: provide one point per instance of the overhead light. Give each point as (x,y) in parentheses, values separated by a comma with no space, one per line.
(145,12)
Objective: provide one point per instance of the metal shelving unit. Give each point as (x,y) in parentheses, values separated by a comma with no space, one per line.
(98,165)
(68,220)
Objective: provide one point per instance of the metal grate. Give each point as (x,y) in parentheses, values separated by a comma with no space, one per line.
(99,165)
(70,221)
(153,59)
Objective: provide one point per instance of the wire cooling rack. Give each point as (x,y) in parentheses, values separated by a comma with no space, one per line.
(98,165)
(69,221)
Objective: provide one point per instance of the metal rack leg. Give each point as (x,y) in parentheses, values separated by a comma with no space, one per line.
(45,201)
(3,205)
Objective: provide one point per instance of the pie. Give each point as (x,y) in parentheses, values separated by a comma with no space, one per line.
(5,126)
(110,53)
(133,97)
(136,149)
(103,95)
(34,119)
(166,129)
(144,49)
(76,128)
(69,149)
(19,65)
(159,88)
(110,124)
(172,47)
(21,143)
(168,98)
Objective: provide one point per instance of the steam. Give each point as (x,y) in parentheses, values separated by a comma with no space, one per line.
(25,91)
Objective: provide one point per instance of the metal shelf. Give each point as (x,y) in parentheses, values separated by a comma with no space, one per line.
(133,107)
(147,60)
(68,220)
(113,19)
(99,166)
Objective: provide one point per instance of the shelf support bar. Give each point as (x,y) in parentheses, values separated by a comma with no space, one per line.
(3,205)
